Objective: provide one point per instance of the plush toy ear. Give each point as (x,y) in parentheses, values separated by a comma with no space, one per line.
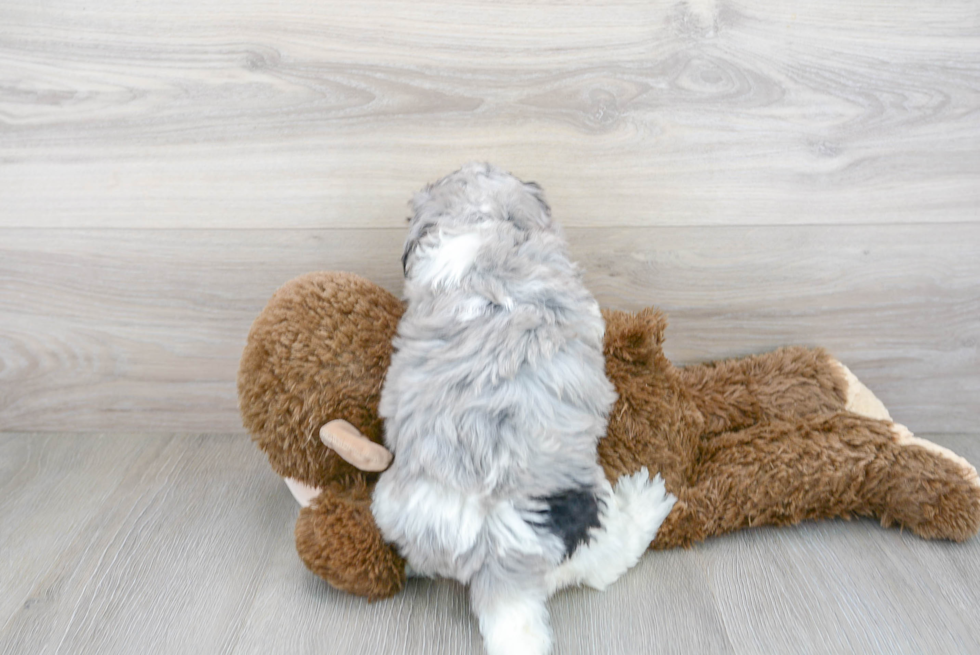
(356,449)
(634,338)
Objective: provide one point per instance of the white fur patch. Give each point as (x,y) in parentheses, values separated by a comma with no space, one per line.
(516,626)
(472,309)
(452,518)
(634,513)
(449,260)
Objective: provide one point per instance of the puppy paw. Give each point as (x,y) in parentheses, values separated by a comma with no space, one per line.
(645,500)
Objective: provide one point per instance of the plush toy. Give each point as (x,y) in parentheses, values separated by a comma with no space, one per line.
(772,439)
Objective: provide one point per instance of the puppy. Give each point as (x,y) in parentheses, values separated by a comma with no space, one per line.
(494,403)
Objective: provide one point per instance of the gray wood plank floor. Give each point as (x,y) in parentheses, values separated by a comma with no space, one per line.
(142,543)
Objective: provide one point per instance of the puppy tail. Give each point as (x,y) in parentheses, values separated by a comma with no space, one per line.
(633,514)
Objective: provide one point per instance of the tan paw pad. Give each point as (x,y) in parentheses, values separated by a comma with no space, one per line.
(302,492)
(860,400)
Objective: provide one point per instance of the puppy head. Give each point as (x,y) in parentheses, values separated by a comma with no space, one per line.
(474,195)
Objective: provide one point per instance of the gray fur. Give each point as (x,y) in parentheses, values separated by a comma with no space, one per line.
(496,396)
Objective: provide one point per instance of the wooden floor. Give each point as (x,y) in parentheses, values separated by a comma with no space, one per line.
(135,543)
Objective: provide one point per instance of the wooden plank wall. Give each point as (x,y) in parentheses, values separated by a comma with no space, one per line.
(768,172)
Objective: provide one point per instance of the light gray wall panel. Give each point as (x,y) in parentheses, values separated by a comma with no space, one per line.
(329,114)
(142,329)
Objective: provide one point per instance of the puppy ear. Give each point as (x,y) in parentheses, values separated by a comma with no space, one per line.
(409,248)
(531,209)
(411,245)
(416,233)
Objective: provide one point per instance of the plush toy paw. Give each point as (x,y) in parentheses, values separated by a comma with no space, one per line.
(904,437)
(337,539)
(940,498)
(933,504)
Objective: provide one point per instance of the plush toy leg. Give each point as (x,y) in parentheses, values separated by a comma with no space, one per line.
(839,465)
(337,538)
(738,393)
(858,398)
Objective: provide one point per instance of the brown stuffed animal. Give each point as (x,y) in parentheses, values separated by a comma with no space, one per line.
(772,439)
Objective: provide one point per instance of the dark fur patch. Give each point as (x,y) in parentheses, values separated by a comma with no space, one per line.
(538,193)
(570,515)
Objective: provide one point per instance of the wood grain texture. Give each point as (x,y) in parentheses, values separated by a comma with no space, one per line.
(329,114)
(184,544)
(168,563)
(142,330)
(839,587)
(52,486)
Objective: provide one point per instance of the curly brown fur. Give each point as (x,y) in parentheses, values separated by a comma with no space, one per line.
(803,468)
(738,393)
(766,440)
(318,351)
(655,422)
(358,560)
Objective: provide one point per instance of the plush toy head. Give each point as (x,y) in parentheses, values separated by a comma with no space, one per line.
(319,351)
(771,439)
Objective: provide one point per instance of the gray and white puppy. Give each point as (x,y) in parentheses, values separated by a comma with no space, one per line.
(494,404)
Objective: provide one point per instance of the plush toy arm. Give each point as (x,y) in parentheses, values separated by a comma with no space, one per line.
(836,465)
(792,382)
(337,538)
